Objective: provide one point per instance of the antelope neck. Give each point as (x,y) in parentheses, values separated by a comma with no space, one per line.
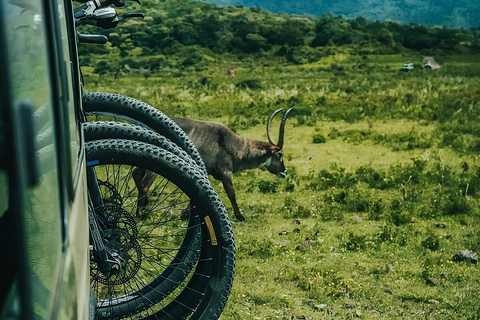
(255,153)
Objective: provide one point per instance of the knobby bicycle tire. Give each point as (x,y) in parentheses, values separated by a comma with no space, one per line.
(216,227)
(116,106)
(191,246)
(190,298)
(99,130)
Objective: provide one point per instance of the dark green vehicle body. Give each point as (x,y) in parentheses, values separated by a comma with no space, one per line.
(44,240)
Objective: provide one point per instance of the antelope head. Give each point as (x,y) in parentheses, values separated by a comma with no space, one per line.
(274,163)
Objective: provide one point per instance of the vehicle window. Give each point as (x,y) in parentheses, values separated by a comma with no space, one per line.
(3,175)
(30,83)
(3,192)
(73,132)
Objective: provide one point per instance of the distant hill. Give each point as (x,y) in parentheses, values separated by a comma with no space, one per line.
(179,35)
(455,14)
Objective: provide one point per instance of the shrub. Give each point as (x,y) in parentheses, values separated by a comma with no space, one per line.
(473,183)
(391,234)
(358,200)
(295,210)
(252,84)
(373,178)
(290,186)
(401,217)
(454,204)
(331,212)
(355,242)
(318,138)
(290,203)
(334,133)
(432,242)
(413,172)
(335,177)
(302,212)
(260,249)
(376,210)
(267,186)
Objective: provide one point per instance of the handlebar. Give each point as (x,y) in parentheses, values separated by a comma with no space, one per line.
(98,13)
(85,11)
(104,17)
(108,24)
(106,3)
(92,38)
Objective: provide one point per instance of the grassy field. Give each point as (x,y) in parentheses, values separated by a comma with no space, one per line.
(383,186)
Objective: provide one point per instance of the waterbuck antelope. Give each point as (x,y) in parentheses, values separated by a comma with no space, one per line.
(225,153)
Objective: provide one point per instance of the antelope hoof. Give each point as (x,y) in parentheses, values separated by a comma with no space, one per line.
(240,218)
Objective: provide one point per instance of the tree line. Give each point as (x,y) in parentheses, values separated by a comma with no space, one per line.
(172,25)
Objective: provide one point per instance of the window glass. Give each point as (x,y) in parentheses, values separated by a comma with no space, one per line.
(30,82)
(4,189)
(3,192)
(67,81)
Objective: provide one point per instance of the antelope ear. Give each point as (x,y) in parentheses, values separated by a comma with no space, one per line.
(274,148)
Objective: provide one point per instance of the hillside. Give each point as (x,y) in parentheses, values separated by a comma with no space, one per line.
(182,34)
(456,14)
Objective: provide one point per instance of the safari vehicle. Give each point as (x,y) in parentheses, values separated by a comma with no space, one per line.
(407,67)
(43,202)
(71,247)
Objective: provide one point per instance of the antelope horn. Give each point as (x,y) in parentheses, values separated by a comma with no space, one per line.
(268,125)
(281,134)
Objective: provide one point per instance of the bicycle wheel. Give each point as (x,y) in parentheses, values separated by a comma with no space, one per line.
(99,130)
(191,246)
(117,130)
(110,106)
(211,281)
(190,297)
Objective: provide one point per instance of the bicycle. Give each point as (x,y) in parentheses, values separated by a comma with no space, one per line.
(188,293)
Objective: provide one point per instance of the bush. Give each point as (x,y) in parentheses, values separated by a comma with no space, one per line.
(401,217)
(295,210)
(454,204)
(260,249)
(335,177)
(432,242)
(252,84)
(373,178)
(267,186)
(318,138)
(355,242)
(391,234)
(289,185)
(331,212)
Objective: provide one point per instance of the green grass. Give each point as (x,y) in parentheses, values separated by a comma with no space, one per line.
(324,266)
(364,219)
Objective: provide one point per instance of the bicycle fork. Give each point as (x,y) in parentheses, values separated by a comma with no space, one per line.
(109,262)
